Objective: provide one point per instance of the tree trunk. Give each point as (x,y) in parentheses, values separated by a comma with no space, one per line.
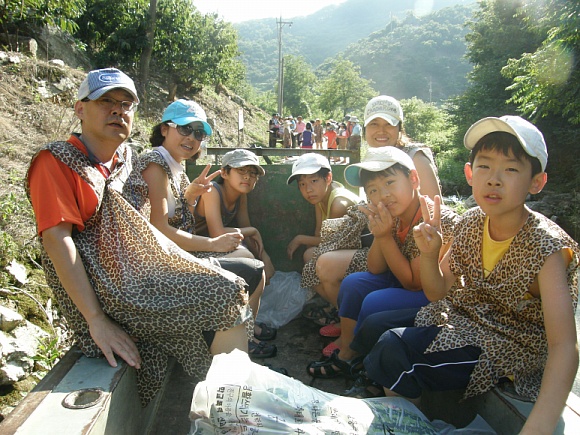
(147,51)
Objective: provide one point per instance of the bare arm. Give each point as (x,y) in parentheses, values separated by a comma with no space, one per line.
(429,181)
(108,335)
(302,239)
(339,207)
(157,182)
(436,275)
(562,360)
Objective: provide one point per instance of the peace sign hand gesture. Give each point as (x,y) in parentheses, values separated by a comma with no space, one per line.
(428,233)
(200,185)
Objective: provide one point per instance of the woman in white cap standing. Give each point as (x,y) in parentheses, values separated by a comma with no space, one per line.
(383,126)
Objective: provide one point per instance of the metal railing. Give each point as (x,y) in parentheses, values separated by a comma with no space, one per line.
(267,152)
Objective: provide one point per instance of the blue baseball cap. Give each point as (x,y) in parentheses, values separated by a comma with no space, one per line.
(100,81)
(183,112)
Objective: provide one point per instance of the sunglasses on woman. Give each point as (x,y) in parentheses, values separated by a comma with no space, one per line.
(188,130)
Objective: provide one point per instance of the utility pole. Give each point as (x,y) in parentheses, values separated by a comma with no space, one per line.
(280,24)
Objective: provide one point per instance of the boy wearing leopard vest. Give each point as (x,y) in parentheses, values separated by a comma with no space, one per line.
(503,297)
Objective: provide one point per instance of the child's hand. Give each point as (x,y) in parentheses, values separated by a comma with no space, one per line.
(380,219)
(428,233)
(200,185)
(226,242)
(293,246)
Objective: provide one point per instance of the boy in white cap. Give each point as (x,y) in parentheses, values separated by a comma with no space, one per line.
(503,297)
(330,198)
(393,282)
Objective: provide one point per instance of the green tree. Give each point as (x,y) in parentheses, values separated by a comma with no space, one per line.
(299,80)
(115,32)
(425,123)
(15,14)
(498,32)
(145,61)
(547,81)
(343,90)
(192,50)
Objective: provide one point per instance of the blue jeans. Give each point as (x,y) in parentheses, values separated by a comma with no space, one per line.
(363,293)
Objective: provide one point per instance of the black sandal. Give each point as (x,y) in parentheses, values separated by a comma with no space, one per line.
(322,317)
(267,333)
(261,349)
(281,370)
(333,366)
(364,388)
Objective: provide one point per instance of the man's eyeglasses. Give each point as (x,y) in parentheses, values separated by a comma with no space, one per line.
(108,103)
(245,171)
(187,130)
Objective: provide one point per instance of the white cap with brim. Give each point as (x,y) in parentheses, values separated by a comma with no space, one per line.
(100,81)
(528,135)
(183,112)
(240,158)
(308,164)
(385,107)
(377,159)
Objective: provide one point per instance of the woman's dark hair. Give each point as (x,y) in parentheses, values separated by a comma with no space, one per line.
(507,144)
(367,176)
(156,139)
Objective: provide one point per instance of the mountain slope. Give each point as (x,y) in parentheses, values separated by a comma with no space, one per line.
(321,35)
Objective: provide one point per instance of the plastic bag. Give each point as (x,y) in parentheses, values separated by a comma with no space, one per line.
(283,299)
(253,399)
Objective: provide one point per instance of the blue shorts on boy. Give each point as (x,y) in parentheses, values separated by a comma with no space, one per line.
(384,291)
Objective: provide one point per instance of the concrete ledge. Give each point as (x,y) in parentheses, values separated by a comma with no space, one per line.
(117,410)
(505,414)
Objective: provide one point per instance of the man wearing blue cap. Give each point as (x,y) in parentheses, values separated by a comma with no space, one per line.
(124,288)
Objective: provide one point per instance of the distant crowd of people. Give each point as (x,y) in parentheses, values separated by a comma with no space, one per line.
(313,134)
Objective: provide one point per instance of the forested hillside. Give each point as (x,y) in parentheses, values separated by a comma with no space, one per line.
(328,32)
(418,56)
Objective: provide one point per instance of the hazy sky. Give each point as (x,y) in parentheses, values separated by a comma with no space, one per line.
(243,10)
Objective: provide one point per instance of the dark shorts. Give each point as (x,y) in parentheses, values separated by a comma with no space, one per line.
(398,362)
(247,268)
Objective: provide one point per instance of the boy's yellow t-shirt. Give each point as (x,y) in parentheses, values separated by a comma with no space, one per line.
(493,250)
(338,191)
